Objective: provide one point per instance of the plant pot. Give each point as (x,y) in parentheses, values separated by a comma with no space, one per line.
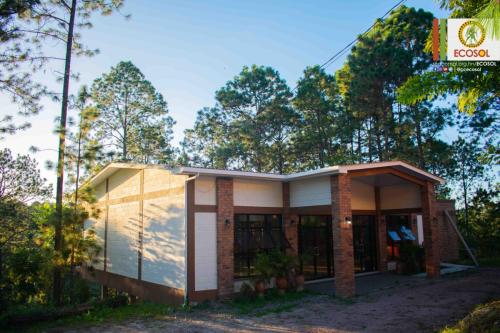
(299,282)
(281,284)
(260,288)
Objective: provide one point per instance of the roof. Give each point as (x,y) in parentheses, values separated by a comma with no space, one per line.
(332,170)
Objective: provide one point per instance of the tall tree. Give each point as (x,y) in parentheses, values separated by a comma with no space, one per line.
(20,185)
(17,60)
(253,101)
(468,172)
(133,117)
(61,21)
(319,138)
(207,144)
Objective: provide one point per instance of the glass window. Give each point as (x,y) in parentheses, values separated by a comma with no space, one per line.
(255,233)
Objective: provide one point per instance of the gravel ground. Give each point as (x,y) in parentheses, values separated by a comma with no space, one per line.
(422,307)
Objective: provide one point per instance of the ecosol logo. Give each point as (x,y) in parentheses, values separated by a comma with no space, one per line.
(471,34)
(468,40)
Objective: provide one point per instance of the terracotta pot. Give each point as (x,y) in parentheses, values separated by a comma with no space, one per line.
(281,284)
(299,281)
(260,288)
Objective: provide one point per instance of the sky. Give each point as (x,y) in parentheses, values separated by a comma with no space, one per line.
(189,49)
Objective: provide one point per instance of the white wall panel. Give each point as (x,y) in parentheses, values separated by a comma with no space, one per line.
(258,193)
(97,224)
(310,192)
(205,259)
(204,191)
(123,234)
(400,196)
(124,182)
(164,241)
(157,180)
(363,196)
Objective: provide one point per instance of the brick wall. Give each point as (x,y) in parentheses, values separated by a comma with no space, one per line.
(448,238)
(431,231)
(343,255)
(291,229)
(381,233)
(225,236)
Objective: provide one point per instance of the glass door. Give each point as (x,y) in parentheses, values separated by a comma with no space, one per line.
(316,246)
(365,243)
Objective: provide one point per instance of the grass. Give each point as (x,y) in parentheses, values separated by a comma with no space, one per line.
(483,262)
(103,313)
(272,302)
(485,318)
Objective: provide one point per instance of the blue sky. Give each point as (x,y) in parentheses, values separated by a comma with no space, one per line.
(189,49)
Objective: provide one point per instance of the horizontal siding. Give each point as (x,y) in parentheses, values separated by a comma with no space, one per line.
(124,182)
(310,192)
(164,241)
(123,234)
(205,260)
(256,193)
(97,224)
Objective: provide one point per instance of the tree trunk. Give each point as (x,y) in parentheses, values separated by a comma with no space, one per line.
(57,285)
(466,203)
(421,158)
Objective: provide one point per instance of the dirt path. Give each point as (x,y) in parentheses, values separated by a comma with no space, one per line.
(422,308)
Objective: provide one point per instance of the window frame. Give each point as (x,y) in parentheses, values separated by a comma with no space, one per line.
(250,251)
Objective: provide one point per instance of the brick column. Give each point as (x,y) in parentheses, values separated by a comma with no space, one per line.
(342,235)
(381,227)
(290,228)
(431,231)
(225,236)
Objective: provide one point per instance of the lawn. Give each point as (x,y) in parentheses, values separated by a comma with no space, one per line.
(485,318)
(272,302)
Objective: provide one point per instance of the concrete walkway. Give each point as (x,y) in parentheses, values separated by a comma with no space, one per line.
(369,283)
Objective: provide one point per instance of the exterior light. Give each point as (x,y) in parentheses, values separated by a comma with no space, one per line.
(227,222)
(348,220)
(292,222)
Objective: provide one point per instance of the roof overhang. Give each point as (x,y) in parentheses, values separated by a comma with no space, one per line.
(398,165)
(111,168)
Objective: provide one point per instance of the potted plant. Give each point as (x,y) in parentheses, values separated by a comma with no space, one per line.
(265,271)
(282,265)
(299,276)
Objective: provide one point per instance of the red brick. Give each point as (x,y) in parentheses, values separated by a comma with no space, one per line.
(343,255)
(291,229)
(431,231)
(225,236)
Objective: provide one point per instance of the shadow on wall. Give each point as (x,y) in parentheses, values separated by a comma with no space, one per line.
(163,260)
(164,241)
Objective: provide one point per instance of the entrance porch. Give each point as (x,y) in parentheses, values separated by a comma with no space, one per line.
(356,233)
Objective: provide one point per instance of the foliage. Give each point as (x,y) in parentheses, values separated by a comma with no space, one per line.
(256,104)
(319,137)
(483,319)
(20,185)
(133,118)
(99,313)
(263,267)
(475,90)
(483,223)
(411,255)
(467,170)
(274,264)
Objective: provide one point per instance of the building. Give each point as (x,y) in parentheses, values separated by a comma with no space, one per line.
(167,235)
